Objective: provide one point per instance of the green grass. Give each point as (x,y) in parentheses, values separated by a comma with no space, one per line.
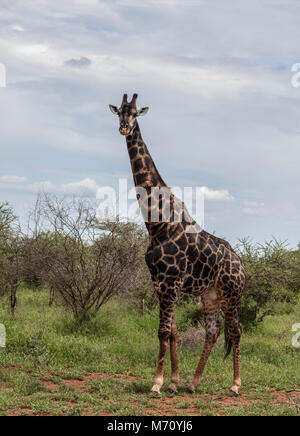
(43,369)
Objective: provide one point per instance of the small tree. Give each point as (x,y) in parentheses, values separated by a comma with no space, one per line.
(7,219)
(11,254)
(85,261)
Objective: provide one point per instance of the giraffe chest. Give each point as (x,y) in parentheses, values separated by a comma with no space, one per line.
(166,260)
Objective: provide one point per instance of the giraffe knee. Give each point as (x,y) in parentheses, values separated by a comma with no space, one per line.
(213,330)
(233,331)
(233,326)
(174,331)
(164,333)
(212,334)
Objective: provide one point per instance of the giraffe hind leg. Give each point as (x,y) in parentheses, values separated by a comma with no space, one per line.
(233,332)
(211,307)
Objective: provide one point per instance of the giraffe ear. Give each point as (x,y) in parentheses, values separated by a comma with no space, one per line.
(142,111)
(114,109)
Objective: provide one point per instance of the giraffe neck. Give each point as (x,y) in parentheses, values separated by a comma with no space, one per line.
(147,177)
(145,173)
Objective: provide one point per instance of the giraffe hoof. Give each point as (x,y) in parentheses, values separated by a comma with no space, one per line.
(156,389)
(172,389)
(190,389)
(233,394)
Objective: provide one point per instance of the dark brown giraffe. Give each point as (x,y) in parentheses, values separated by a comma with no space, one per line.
(182,257)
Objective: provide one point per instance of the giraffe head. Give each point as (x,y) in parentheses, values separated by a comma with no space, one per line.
(128,114)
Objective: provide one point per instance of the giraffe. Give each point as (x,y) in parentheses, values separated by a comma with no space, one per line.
(183,257)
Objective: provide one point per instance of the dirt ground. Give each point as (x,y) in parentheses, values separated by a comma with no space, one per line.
(162,406)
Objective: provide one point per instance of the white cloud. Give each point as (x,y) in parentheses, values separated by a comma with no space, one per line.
(249,211)
(253,208)
(12,179)
(216,195)
(253,203)
(17,28)
(86,187)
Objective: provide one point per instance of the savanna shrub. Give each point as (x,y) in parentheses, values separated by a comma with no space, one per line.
(272,277)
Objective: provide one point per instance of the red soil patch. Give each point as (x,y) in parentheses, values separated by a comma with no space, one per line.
(71,405)
(49,385)
(283,397)
(11,368)
(19,412)
(78,385)
(42,414)
(92,375)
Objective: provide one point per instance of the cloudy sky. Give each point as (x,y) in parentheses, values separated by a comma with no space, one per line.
(216,76)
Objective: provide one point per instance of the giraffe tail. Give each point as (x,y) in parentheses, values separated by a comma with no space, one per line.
(228,342)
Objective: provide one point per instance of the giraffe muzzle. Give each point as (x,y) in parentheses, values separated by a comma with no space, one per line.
(123,131)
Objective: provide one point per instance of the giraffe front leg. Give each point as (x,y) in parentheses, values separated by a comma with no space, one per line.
(159,378)
(174,358)
(209,343)
(167,301)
